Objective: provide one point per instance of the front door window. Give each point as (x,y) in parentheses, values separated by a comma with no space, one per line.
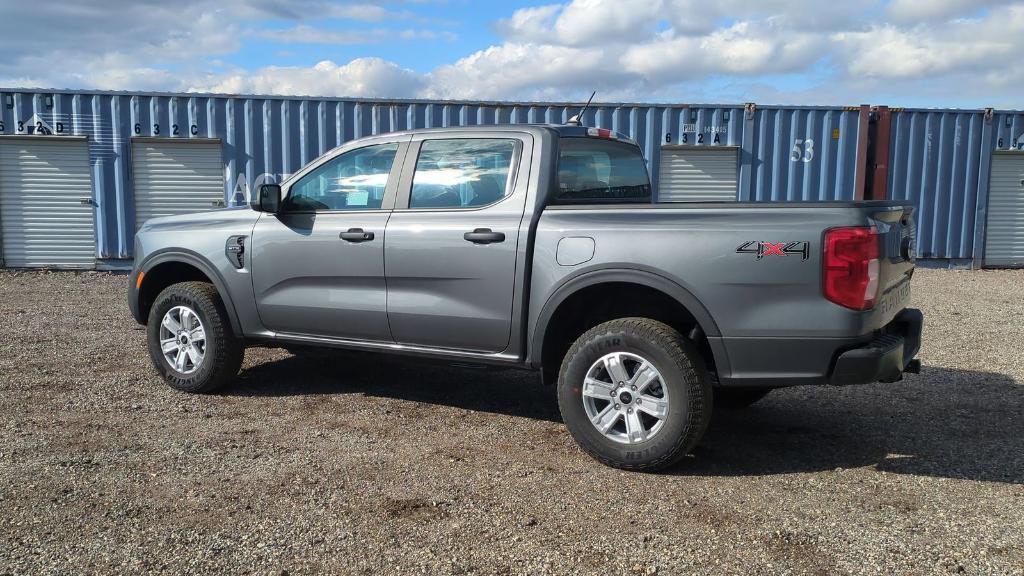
(355,180)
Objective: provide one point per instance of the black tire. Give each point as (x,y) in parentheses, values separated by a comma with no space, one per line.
(224,350)
(730,398)
(683,374)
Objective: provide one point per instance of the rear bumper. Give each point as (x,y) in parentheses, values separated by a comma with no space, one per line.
(882,355)
(886,356)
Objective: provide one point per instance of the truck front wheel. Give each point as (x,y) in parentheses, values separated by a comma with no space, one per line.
(634,394)
(190,339)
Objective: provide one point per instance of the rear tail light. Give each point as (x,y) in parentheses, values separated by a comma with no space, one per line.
(851,266)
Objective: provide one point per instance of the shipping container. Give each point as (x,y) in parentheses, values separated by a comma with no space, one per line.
(940,160)
(783,153)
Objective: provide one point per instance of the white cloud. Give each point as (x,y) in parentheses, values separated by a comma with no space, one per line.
(305,34)
(602,22)
(129,45)
(736,49)
(528,71)
(744,48)
(360,77)
(584,22)
(978,45)
(916,11)
(699,17)
(364,12)
(898,52)
(530,24)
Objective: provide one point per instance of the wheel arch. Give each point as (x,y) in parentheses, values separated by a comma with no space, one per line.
(683,303)
(161,269)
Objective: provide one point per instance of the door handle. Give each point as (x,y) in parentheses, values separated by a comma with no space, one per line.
(356,235)
(484,236)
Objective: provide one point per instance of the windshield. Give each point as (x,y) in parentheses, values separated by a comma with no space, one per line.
(596,171)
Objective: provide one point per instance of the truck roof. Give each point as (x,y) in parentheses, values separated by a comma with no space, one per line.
(568,130)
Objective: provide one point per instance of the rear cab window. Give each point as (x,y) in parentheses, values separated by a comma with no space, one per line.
(600,171)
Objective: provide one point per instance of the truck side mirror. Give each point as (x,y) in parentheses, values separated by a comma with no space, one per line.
(268,199)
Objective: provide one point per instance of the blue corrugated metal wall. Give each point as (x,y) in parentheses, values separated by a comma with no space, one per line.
(785,153)
(935,162)
(940,160)
(800,154)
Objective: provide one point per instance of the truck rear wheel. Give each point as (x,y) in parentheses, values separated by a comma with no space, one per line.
(190,339)
(634,394)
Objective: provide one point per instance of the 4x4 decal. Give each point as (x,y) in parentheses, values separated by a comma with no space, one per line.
(762,249)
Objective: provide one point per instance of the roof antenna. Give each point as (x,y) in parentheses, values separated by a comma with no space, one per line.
(577,120)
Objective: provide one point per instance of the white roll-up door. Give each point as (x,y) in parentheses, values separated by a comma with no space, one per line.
(698,174)
(46,206)
(1004,233)
(173,177)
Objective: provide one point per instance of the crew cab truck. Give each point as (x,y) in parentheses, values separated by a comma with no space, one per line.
(538,247)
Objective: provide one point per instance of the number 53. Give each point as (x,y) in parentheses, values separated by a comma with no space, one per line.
(803,150)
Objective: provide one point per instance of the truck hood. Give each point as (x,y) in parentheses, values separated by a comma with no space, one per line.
(234,216)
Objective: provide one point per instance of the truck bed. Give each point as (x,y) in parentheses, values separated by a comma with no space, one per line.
(763,307)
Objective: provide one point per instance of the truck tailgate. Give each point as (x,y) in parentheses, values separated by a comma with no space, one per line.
(897,231)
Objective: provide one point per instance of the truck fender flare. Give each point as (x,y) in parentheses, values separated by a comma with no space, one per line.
(630,276)
(195,259)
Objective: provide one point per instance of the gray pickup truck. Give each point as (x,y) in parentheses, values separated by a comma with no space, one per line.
(538,247)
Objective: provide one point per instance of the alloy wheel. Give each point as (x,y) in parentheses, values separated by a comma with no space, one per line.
(625,397)
(182,339)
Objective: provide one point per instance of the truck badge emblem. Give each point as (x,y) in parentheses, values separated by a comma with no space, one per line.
(762,249)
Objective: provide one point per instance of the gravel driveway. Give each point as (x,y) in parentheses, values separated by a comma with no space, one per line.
(364,464)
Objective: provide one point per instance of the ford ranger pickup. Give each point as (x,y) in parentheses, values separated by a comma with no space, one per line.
(538,246)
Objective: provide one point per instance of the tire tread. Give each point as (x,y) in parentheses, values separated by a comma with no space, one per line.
(684,356)
(228,348)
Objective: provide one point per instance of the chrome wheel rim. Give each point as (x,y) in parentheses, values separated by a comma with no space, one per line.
(182,339)
(625,398)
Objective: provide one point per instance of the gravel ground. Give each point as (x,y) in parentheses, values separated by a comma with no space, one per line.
(370,465)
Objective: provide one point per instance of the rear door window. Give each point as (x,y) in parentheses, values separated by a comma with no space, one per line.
(462,172)
(598,171)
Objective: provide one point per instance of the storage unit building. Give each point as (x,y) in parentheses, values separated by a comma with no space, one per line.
(698,174)
(152,154)
(46,206)
(174,177)
(1004,232)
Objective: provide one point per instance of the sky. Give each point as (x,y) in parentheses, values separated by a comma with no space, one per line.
(914,53)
